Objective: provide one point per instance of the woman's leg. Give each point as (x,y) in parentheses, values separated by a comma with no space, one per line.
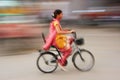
(65,55)
(70,39)
(67,51)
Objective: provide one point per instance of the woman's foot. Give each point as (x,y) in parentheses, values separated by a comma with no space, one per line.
(61,65)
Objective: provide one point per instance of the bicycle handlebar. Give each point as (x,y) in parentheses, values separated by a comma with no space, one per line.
(74,35)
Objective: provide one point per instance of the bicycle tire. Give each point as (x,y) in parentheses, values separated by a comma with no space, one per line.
(39,65)
(83,60)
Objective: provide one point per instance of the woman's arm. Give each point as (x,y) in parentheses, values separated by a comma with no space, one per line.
(61,31)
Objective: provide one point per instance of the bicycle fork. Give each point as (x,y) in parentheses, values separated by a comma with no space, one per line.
(77,50)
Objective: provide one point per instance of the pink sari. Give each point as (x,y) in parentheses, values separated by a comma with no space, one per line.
(50,41)
(51,37)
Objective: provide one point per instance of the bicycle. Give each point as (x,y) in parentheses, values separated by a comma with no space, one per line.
(82,59)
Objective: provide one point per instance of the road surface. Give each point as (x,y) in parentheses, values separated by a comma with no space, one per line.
(104,43)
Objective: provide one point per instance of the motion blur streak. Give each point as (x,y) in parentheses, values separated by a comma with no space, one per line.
(22,21)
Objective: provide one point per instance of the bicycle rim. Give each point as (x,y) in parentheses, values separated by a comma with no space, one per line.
(86,63)
(45,62)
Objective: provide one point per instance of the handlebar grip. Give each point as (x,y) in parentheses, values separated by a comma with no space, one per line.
(74,35)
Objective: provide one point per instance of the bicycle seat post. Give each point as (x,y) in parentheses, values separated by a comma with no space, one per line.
(43,36)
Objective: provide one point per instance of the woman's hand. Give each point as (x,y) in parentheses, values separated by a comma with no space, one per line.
(72,31)
(69,30)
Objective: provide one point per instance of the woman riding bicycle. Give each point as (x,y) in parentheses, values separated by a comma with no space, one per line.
(57,37)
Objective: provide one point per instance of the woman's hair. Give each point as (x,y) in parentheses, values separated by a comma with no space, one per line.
(56,12)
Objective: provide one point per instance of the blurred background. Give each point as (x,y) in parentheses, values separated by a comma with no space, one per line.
(22,21)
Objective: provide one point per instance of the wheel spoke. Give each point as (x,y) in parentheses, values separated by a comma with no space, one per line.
(45,60)
(83,61)
(45,64)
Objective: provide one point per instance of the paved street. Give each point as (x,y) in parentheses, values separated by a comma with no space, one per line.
(104,43)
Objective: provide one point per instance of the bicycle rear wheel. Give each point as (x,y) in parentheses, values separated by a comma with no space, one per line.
(47,62)
(83,61)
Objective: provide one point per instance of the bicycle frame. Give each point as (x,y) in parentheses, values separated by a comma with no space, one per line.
(77,50)
(75,47)
(50,57)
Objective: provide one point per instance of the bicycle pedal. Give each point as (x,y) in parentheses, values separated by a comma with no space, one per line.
(66,62)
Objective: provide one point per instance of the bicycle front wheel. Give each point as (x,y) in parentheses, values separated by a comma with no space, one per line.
(83,60)
(47,62)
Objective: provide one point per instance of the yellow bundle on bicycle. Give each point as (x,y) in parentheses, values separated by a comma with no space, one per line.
(61,41)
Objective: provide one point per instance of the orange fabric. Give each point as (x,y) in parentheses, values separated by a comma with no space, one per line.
(61,41)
